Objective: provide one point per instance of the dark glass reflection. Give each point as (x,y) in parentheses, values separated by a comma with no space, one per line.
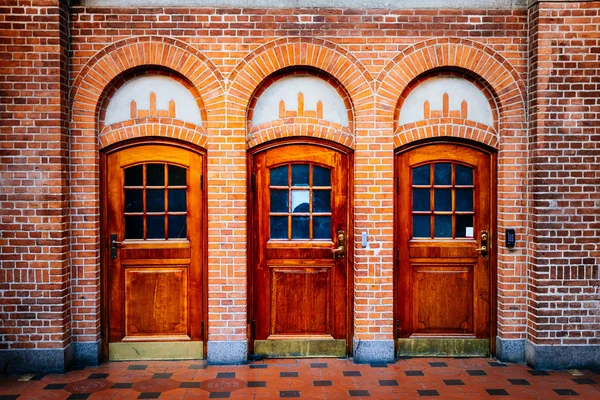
(155,175)
(321,227)
(421,199)
(442,174)
(421,226)
(300,228)
(462,222)
(321,176)
(134,176)
(442,226)
(279,227)
(321,201)
(177,176)
(464,199)
(177,200)
(464,175)
(279,200)
(279,176)
(420,175)
(177,226)
(442,199)
(155,227)
(134,200)
(299,175)
(155,200)
(134,227)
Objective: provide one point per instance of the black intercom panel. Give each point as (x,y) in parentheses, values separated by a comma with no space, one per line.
(510,238)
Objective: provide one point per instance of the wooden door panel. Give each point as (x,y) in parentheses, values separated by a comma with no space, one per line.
(301,301)
(163,288)
(438,289)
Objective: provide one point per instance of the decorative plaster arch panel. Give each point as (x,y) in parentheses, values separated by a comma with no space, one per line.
(307,127)
(157,127)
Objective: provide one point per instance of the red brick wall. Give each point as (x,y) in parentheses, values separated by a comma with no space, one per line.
(564,98)
(367,52)
(34,213)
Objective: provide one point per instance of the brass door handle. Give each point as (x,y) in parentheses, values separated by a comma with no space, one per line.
(483,237)
(482,249)
(341,249)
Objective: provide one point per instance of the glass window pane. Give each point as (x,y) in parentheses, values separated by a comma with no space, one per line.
(155,200)
(299,175)
(300,201)
(442,226)
(321,227)
(279,227)
(133,176)
(321,176)
(279,176)
(442,174)
(155,227)
(134,227)
(421,226)
(279,201)
(134,200)
(177,226)
(300,228)
(420,175)
(321,200)
(177,176)
(464,199)
(421,199)
(155,175)
(442,199)
(462,222)
(177,200)
(464,175)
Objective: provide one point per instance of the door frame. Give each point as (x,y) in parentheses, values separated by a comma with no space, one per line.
(104,242)
(252,222)
(493,254)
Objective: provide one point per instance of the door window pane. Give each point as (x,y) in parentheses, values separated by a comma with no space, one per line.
(321,176)
(300,201)
(464,199)
(464,175)
(442,174)
(300,175)
(177,176)
(300,227)
(421,200)
(177,200)
(134,176)
(134,200)
(462,223)
(155,175)
(134,227)
(443,226)
(279,176)
(421,226)
(279,227)
(279,201)
(155,226)
(442,200)
(177,226)
(321,201)
(155,200)
(322,227)
(420,175)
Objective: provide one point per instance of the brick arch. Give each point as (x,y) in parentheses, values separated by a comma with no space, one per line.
(128,54)
(300,127)
(435,54)
(158,127)
(455,128)
(297,52)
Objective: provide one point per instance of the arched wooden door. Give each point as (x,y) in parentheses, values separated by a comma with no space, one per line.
(445,230)
(300,243)
(154,252)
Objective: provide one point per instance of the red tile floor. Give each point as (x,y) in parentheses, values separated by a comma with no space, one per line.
(447,378)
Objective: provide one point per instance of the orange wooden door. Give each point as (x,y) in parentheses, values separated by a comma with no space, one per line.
(300,211)
(154,244)
(443,217)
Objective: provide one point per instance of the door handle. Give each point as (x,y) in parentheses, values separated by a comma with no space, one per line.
(113,245)
(483,247)
(341,241)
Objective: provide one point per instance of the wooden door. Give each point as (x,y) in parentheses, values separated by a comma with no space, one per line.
(300,284)
(444,219)
(154,252)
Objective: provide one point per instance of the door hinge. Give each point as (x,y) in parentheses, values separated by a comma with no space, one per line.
(253,182)
(201,182)
(397,326)
(397,256)
(253,328)
(202,329)
(397,185)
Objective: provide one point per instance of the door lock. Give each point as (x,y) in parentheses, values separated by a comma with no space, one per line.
(113,245)
(483,244)
(341,241)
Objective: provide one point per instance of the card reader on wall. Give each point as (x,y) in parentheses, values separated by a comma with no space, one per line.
(510,238)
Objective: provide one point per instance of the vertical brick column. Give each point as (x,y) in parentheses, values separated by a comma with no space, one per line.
(564,111)
(34,227)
